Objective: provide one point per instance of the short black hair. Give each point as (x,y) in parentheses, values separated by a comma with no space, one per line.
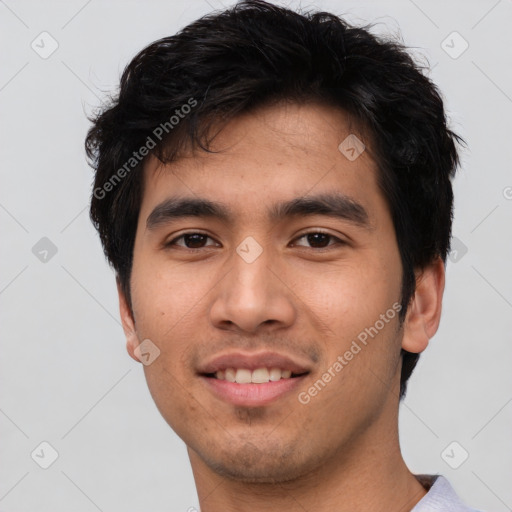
(255,54)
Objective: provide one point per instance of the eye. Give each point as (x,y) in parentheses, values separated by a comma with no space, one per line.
(196,240)
(319,239)
(192,240)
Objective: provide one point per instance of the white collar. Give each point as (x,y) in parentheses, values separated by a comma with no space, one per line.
(440,497)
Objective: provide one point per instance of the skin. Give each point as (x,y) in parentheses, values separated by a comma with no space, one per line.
(341,450)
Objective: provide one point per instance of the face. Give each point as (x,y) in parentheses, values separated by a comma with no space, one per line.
(280,258)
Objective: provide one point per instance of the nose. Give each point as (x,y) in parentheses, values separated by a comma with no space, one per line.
(253,295)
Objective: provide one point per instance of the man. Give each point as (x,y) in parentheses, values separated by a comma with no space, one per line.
(273,191)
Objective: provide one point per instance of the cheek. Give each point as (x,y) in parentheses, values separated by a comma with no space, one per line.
(347,295)
(346,305)
(165,296)
(171,392)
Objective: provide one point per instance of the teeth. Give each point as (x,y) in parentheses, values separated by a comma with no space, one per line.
(229,375)
(258,376)
(243,376)
(275,374)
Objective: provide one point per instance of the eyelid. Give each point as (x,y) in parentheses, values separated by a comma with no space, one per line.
(338,240)
(193,232)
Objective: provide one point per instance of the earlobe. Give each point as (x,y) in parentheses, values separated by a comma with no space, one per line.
(424,312)
(128,322)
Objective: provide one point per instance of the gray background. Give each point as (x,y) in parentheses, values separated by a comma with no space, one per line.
(65,375)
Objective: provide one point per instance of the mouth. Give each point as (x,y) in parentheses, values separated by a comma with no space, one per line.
(253,379)
(253,394)
(258,376)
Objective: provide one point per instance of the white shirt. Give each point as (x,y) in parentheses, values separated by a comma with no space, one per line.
(441,497)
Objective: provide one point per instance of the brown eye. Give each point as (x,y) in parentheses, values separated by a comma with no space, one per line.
(191,241)
(319,240)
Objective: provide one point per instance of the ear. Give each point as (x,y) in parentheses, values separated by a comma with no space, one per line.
(424,312)
(132,341)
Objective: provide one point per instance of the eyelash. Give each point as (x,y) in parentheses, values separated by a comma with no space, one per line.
(337,240)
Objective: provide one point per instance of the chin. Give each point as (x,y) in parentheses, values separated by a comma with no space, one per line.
(252,464)
(264,473)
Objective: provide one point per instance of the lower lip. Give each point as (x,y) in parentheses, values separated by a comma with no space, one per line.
(252,395)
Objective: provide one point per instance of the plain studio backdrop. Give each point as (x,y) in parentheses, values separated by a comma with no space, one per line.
(66,379)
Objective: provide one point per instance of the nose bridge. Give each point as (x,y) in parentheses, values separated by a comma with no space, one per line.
(251,294)
(251,271)
(250,284)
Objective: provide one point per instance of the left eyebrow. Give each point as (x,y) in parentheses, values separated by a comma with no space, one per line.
(334,205)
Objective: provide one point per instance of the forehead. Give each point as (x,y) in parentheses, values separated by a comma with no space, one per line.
(273,154)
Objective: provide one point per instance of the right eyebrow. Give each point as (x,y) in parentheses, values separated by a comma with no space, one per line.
(178,207)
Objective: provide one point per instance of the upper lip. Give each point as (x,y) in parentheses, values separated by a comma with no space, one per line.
(252,361)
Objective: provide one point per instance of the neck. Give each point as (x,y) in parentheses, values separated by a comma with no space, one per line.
(370,474)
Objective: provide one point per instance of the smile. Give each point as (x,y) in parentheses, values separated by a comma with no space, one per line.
(258,376)
(253,394)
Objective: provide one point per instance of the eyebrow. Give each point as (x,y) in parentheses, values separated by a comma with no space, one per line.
(334,205)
